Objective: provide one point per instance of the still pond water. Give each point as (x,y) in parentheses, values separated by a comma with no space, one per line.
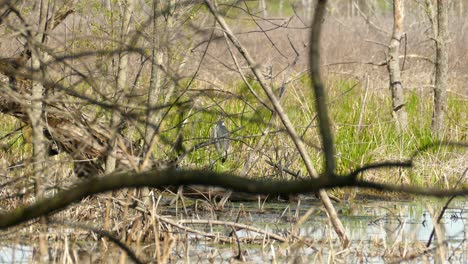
(388,222)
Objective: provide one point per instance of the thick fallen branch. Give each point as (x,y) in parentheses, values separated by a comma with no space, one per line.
(158,179)
(233,224)
(180,224)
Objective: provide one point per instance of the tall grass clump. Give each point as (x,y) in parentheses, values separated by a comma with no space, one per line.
(364,130)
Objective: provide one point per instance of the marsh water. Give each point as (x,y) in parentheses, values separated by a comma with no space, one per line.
(368,223)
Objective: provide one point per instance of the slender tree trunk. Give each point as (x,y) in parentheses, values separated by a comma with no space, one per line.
(325,128)
(121,84)
(155,83)
(460,9)
(39,149)
(154,118)
(440,89)
(393,66)
(35,115)
(263,8)
(119,93)
(154,92)
(280,7)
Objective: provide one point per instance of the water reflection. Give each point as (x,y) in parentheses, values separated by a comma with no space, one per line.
(16,254)
(373,227)
(388,221)
(403,222)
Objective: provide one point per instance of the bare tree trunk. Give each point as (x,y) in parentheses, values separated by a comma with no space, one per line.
(154,91)
(326,133)
(35,115)
(107,4)
(280,7)
(263,8)
(393,66)
(154,118)
(460,8)
(119,94)
(155,81)
(39,149)
(440,89)
(122,72)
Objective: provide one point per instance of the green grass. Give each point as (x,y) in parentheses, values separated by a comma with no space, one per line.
(376,140)
(13,144)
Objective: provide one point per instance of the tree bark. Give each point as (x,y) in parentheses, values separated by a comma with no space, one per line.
(280,7)
(35,116)
(440,89)
(154,91)
(120,88)
(326,133)
(263,8)
(155,82)
(162,54)
(393,66)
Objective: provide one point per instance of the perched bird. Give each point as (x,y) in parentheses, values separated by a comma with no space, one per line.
(221,138)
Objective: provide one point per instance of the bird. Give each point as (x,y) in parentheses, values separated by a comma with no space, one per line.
(221,139)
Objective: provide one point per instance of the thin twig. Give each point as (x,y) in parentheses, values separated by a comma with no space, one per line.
(103,233)
(441,214)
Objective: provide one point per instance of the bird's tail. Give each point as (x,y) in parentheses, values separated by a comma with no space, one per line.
(223,159)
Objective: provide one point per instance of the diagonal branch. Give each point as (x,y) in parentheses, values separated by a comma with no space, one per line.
(271,96)
(300,146)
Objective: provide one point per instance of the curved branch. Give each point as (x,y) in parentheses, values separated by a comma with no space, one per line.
(163,178)
(437,143)
(380,165)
